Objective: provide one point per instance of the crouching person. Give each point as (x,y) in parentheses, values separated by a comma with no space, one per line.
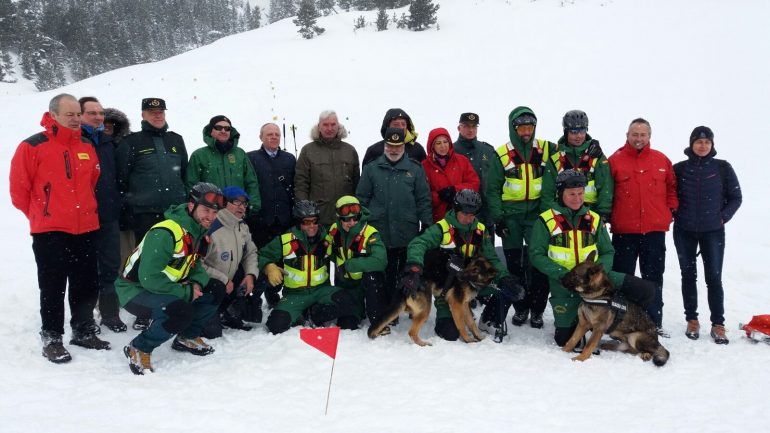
(304,253)
(564,236)
(459,237)
(163,280)
(361,258)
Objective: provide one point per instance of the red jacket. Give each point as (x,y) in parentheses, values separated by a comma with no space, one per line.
(645,191)
(52,180)
(458,172)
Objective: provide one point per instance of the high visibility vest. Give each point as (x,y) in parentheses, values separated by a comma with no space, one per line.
(304,268)
(523,178)
(586,166)
(356,248)
(454,242)
(182,260)
(570,245)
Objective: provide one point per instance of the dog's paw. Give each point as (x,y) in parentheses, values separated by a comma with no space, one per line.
(581,357)
(645,356)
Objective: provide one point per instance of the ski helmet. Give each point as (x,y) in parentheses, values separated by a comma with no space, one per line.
(570,179)
(467,201)
(575,119)
(207,194)
(525,119)
(305,209)
(348,206)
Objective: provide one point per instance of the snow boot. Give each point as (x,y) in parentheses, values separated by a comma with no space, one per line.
(520,317)
(138,361)
(141,323)
(53,349)
(536,321)
(84,335)
(693,329)
(229,321)
(114,324)
(196,346)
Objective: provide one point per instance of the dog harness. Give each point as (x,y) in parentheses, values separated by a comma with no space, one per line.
(617,304)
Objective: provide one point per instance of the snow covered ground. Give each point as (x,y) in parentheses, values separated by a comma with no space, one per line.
(678,64)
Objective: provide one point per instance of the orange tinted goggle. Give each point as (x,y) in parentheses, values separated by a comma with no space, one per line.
(525,129)
(349,209)
(214,200)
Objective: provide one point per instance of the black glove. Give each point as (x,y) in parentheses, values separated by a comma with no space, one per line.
(447,194)
(455,264)
(594,150)
(410,280)
(510,289)
(605,218)
(341,270)
(501,230)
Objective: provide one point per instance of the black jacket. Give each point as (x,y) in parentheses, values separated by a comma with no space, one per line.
(414,149)
(276,186)
(107,195)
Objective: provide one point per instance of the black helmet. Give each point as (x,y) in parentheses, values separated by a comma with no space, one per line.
(570,179)
(575,119)
(305,209)
(207,194)
(467,201)
(525,119)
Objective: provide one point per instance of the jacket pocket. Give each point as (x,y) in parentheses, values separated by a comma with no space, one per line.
(47,193)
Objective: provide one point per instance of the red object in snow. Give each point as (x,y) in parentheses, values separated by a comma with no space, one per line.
(323,339)
(758,324)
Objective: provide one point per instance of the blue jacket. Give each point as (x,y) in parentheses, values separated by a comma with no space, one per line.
(708,190)
(107,195)
(276,186)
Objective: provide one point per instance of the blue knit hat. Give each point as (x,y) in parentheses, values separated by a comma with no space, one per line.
(233,192)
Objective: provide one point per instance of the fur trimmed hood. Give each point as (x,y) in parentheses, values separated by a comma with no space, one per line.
(122,124)
(315,134)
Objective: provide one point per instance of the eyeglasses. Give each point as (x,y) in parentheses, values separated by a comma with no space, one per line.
(525,129)
(349,218)
(349,209)
(237,202)
(310,222)
(577,130)
(221,128)
(213,200)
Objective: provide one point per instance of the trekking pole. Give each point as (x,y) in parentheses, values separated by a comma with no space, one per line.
(284,136)
(294,136)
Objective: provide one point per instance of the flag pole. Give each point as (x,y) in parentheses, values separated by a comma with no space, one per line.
(329,391)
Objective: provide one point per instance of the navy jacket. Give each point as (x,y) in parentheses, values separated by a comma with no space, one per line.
(705,202)
(107,195)
(276,186)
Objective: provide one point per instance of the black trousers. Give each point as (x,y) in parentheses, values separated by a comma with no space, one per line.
(107,246)
(63,259)
(396,263)
(650,250)
(535,282)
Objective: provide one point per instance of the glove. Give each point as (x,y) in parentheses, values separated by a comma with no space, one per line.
(410,280)
(605,218)
(447,194)
(510,289)
(274,274)
(455,264)
(502,230)
(594,150)
(341,270)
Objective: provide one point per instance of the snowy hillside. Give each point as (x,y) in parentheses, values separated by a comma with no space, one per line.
(678,64)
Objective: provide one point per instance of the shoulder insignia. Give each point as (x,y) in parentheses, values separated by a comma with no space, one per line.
(84,156)
(409,174)
(173,149)
(231,158)
(372,239)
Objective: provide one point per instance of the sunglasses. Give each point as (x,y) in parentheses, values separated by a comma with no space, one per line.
(237,202)
(349,218)
(310,222)
(221,128)
(577,130)
(349,209)
(213,200)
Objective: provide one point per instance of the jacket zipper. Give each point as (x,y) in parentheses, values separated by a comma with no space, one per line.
(47,191)
(67,167)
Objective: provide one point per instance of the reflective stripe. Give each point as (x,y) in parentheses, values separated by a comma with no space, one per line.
(183,255)
(590,196)
(344,252)
(523,179)
(468,247)
(300,266)
(569,245)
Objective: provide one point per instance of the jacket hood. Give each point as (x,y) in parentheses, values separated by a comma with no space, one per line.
(432,137)
(119,118)
(692,156)
(518,112)
(315,133)
(395,113)
(210,142)
(53,127)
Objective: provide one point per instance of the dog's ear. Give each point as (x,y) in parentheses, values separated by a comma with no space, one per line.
(591,257)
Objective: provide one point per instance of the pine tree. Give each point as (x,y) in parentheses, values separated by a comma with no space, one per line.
(306,20)
(422,14)
(382,20)
(345,4)
(364,5)
(255,19)
(326,7)
(6,68)
(280,9)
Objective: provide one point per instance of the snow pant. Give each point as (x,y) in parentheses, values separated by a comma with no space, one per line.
(712,250)
(262,234)
(364,295)
(517,261)
(391,287)
(170,316)
(565,303)
(142,222)
(650,250)
(62,259)
(322,303)
(108,262)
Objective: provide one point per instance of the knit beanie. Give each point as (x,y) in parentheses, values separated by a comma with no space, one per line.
(701,132)
(219,118)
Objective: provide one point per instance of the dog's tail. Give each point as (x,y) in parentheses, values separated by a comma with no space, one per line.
(660,356)
(396,308)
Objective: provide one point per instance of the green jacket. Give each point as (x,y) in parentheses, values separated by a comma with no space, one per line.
(155,252)
(431,239)
(538,251)
(231,168)
(602,177)
(374,260)
(525,210)
(398,198)
(482,156)
(151,166)
(273,251)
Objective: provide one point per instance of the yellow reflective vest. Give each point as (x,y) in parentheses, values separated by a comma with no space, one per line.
(455,242)
(182,259)
(570,245)
(523,178)
(357,247)
(585,166)
(304,268)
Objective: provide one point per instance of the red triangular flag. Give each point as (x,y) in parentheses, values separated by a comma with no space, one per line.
(323,339)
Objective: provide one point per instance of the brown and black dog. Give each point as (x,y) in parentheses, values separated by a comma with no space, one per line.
(477,274)
(635,331)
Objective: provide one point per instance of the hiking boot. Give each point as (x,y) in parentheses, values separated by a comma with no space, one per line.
(492,328)
(138,361)
(141,323)
(229,321)
(536,321)
(53,349)
(662,332)
(718,334)
(520,317)
(114,324)
(89,341)
(196,346)
(693,329)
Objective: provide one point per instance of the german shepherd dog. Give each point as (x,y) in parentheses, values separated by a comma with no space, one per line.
(635,331)
(462,289)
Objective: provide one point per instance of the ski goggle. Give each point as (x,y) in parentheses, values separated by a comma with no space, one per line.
(213,200)
(525,129)
(310,221)
(577,130)
(349,218)
(349,209)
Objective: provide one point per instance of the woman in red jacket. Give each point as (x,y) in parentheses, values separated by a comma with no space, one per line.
(447,172)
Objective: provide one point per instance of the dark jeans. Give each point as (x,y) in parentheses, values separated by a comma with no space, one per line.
(64,258)
(712,251)
(396,263)
(108,261)
(650,250)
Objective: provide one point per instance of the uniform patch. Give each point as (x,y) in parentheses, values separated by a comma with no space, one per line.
(561,309)
(231,158)
(225,256)
(83,156)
